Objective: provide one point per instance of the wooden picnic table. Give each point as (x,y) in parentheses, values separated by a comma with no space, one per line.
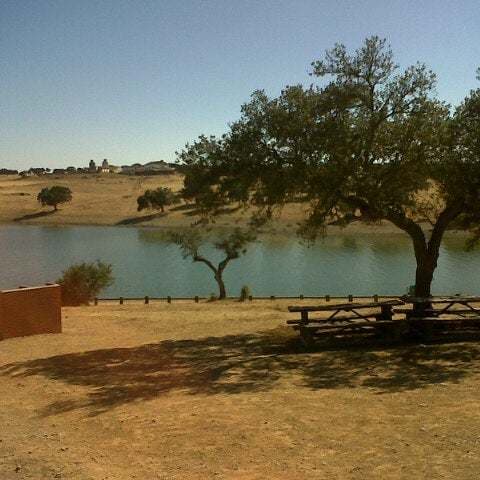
(429,313)
(436,306)
(342,317)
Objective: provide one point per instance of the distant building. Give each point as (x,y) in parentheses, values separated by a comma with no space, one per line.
(37,171)
(152,168)
(6,171)
(32,172)
(71,170)
(92,168)
(115,169)
(157,168)
(104,168)
(59,171)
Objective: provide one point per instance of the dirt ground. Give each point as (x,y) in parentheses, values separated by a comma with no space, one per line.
(111,199)
(223,391)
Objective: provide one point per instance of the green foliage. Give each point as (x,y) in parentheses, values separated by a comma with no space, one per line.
(157,199)
(233,244)
(363,145)
(244,293)
(55,195)
(82,282)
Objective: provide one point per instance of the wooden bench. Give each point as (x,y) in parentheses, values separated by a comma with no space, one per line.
(345,317)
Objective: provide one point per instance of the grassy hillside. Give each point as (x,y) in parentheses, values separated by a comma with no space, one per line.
(110,199)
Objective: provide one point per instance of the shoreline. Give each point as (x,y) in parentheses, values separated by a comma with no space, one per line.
(352,230)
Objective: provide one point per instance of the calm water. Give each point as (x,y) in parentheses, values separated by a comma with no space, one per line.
(143,265)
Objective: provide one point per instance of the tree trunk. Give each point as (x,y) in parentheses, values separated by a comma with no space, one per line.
(55,208)
(222,293)
(423,283)
(424,278)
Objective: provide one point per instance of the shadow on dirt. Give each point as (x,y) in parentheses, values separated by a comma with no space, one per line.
(31,216)
(235,364)
(144,218)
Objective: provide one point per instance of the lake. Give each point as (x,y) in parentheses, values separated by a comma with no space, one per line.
(144,265)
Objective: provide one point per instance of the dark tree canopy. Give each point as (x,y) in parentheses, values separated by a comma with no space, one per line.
(370,143)
(156,199)
(54,196)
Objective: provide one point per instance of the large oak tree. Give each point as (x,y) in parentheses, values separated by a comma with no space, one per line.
(370,143)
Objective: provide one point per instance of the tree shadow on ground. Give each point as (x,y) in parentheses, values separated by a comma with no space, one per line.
(182,207)
(31,216)
(194,211)
(236,364)
(144,218)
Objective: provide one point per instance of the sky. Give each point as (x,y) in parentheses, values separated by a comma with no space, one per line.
(134,81)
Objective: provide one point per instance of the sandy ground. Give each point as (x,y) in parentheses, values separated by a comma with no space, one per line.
(223,391)
(111,199)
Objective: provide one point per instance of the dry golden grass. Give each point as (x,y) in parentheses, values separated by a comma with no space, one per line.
(111,199)
(222,390)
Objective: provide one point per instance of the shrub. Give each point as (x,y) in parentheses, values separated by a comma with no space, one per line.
(82,282)
(212,298)
(244,293)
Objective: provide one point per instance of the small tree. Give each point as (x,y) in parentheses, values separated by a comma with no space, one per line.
(55,195)
(82,282)
(233,245)
(156,199)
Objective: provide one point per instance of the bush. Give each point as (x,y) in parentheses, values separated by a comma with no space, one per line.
(212,298)
(244,293)
(82,282)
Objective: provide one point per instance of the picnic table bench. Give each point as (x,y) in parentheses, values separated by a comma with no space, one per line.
(436,313)
(344,317)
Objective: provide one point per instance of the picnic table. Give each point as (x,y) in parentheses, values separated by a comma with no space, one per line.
(342,318)
(437,313)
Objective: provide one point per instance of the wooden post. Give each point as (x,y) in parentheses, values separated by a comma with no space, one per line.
(196,298)
(350,298)
(147,300)
(121,300)
(169,299)
(95,301)
(327,298)
(387,313)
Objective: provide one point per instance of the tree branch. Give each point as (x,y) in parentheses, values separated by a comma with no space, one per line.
(199,258)
(444,219)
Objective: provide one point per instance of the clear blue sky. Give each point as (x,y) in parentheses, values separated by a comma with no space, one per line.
(133,81)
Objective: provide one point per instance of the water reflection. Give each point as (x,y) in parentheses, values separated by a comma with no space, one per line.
(145,264)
